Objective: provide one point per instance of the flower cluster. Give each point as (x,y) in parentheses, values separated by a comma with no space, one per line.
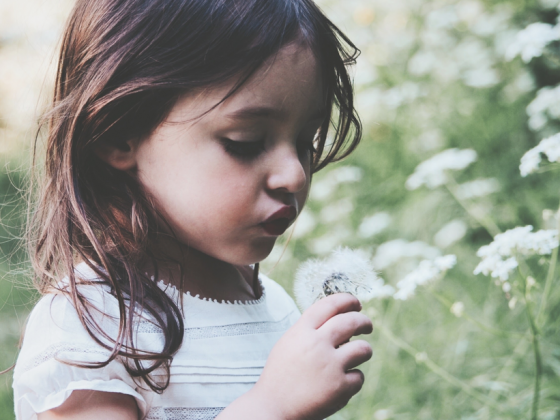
(531,159)
(432,172)
(499,257)
(477,188)
(546,105)
(427,272)
(344,271)
(531,41)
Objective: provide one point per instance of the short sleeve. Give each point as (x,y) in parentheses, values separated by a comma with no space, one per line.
(54,335)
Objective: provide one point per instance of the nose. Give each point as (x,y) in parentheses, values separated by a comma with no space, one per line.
(286,171)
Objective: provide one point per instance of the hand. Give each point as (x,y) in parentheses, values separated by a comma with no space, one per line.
(310,372)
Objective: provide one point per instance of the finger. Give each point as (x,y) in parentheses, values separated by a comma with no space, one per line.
(354,353)
(340,328)
(321,311)
(355,380)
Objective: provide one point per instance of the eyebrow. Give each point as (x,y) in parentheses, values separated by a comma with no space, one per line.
(253,112)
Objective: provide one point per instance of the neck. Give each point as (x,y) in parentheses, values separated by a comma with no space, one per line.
(191,270)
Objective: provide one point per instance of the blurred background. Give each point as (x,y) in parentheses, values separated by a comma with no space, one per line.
(433,75)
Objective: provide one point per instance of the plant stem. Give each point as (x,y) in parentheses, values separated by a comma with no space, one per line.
(540,320)
(485,222)
(537,353)
(437,369)
(479,324)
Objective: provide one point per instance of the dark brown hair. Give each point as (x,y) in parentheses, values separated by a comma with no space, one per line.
(122,66)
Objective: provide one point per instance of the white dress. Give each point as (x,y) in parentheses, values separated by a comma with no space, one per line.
(224,350)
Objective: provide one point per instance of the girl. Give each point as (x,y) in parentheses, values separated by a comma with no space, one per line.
(181,143)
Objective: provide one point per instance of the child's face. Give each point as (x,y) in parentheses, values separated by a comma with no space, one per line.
(218,178)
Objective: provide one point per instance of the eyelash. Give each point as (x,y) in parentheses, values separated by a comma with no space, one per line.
(248,150)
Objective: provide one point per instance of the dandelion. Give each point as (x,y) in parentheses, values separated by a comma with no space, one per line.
(499,258)
(477,188)
(344,271)
(427,272)
(432,172)
(531,41)
(532,158)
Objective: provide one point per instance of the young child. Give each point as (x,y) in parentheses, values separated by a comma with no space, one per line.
(181,143)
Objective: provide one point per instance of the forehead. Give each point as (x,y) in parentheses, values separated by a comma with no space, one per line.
(287,86)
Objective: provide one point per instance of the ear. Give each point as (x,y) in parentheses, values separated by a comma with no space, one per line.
(121,156)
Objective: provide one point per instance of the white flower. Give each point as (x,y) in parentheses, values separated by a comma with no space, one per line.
(499,257)
(532,158)
(457,309)
(477,188)
(390,252)
(344,271)
(531,41)
(372,225)
(450,233)
(432,172)
(427,272)
(546,104)
(323,188)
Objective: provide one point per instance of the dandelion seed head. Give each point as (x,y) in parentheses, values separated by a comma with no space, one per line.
(432,172)
(344,271)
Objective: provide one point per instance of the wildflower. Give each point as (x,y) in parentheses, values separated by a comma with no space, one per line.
(545,105)
(432,172)
(477,188)
(344,271)
(532,158)
(427,272)
(457,309)
(325,187)
(374,224)
(499,257)
(390,252)
(450,233)
(531,41)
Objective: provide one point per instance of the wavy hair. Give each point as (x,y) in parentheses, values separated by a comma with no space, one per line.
(122,66)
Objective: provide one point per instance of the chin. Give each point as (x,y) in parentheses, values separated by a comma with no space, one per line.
(259,250)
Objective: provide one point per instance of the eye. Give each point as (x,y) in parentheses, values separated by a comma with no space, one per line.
(243,149)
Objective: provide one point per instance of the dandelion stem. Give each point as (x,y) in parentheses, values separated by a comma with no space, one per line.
(486,222)
(540,319)
(479,324)
(437,369)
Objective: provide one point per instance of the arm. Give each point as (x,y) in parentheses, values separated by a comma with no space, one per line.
(310,373)
(94,405)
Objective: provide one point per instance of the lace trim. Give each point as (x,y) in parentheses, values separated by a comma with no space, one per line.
(175,293)
(246,328)
(183,413)
(54,350)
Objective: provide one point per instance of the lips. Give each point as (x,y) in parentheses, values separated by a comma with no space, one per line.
(278,222)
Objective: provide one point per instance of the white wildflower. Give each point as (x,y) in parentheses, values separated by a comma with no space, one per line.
(477,188)
(499,257)
(546,104)
(374,224)
(531,41)
(304,224)
(450,233)
(325,187)
(432,172)
(383,414)
(336,211)
(512,302)
(506,287)
(390,252)
(457,309)
(427,272)
(344,271)
(532,158)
